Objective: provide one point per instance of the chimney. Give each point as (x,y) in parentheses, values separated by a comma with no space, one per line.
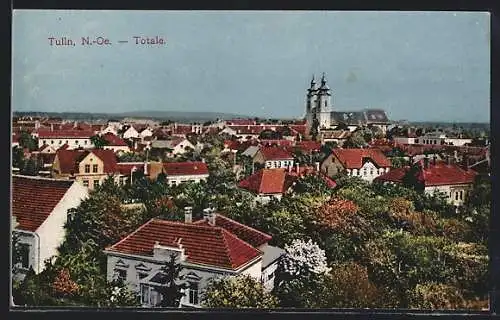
(317,166)
(203,160)
(209,215)
(455,155)
(188,214)
(298,167)
(449,160)
(51,127)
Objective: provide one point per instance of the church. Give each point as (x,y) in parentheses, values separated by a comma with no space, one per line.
(319,106)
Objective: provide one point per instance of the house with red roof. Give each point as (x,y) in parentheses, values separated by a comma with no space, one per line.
(39,211)
(273,157)
(266,184)
(453,180)
(73,138)
(214,246)
(115,143)
(180,172)
(88,167)
(364,163)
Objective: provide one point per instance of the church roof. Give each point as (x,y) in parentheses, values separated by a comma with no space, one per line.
(348,117)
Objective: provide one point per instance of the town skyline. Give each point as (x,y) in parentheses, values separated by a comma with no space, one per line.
(418,66)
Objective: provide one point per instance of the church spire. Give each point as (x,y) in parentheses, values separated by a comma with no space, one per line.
(324,86)
(313,82)
(323,80)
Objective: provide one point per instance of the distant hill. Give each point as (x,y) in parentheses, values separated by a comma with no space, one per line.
(152,114)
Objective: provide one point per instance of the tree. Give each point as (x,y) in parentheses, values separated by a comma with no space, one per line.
(172,287)
(26,140)
(314,132)
(31,167)
(355,140)
(18,157)
(238,292)
(98,141)
(304,258)
(63,285)
(313,184)
(436,296)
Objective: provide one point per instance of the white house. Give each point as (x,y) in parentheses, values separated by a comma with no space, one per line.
(40,210)
(180,172)
(274,157)
(115,143)
(146,132)
(364,163)
(73,138)
(212,247)
(448,178)
(110,128)
(131,133)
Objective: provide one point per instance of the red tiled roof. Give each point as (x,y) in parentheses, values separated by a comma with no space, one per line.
(254,237)
(207,245)
(114,140)
(275,153)
(274,181)
(185,168)
(435,175)
(353,158)
(34,199)
(69,159)
(265,181)
(46,134)
(64,147)
(309,146)
(182,129)
(302,129)
(249,129)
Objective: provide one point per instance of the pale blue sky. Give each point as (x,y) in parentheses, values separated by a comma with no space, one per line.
(420,66)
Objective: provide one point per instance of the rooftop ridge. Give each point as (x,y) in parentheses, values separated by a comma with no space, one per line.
(243,225)
(111,247)
(42,178)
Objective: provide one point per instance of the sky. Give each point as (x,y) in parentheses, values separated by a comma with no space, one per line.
(418,66)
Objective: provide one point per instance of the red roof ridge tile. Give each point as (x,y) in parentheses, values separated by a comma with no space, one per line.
(244,225)
(111,247)
(70,182)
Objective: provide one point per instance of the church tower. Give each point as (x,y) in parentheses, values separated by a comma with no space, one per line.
(324,107)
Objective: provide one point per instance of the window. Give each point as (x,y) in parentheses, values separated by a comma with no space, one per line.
(85,183)
(85,142)
(60,141)
(87,168)
(76,141)
(365,172)
(193,293)
(121,274)
(416,140)
(456,195)
(24,250)
(94,168)
(461,195)
(96,184)
(145,294)
(371,172)
(173,182)
(51,141)
(270,276)
(67,142)
(44,141)
(325,103)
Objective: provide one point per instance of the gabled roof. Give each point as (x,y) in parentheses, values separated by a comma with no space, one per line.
(69,159)
(125,168)
(275,153)
(114,140)
(353,158)
(435,175)
(185,168)
(299,128)
(308,146)
(265,181)
(206,245)
(277,181)
(34,199)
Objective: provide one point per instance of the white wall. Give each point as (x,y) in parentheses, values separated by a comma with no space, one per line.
(370,173)
(457,141)
(117,148)
(272,164)
(254,271)
(52,230)
(453,192)
(73,143)
(185,178)
(404,140)
(269,283)
(130,133)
